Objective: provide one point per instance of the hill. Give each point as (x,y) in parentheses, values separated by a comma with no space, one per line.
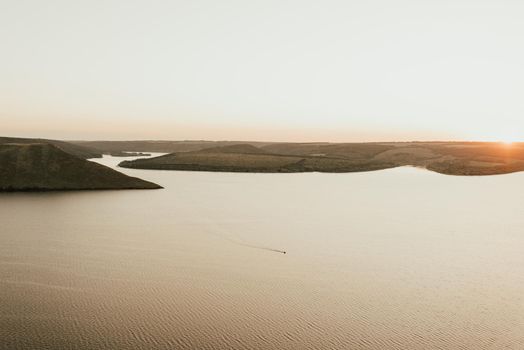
(247,158)
(45,167)
(452,158)
(80,151)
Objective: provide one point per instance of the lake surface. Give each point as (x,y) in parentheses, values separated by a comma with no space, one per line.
(394,259)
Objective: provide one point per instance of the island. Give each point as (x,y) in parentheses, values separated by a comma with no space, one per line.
(46,167)
(451,158)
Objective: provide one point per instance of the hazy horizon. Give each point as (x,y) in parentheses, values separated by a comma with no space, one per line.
(302,71)
(270,140)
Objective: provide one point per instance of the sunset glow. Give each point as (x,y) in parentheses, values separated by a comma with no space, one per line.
(272,70)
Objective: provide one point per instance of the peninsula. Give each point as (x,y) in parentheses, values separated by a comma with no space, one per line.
(46,167)
(452,158)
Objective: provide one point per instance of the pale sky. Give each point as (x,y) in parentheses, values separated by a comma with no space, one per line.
(367,70)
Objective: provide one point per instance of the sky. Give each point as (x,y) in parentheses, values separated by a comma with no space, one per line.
(284,70)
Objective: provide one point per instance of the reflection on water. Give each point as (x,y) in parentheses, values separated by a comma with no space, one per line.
(395,259)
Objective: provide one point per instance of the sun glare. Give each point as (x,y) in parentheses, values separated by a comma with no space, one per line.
(509,140)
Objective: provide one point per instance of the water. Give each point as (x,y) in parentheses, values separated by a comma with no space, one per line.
(395,259)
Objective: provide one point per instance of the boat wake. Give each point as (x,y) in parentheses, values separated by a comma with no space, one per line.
(248,245)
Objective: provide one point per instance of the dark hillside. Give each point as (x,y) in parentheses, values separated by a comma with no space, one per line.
(45,167)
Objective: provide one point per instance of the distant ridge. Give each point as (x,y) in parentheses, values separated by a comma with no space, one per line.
(243,148)
(160,146)
(45,167)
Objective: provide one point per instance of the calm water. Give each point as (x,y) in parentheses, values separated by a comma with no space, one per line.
(396,259)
